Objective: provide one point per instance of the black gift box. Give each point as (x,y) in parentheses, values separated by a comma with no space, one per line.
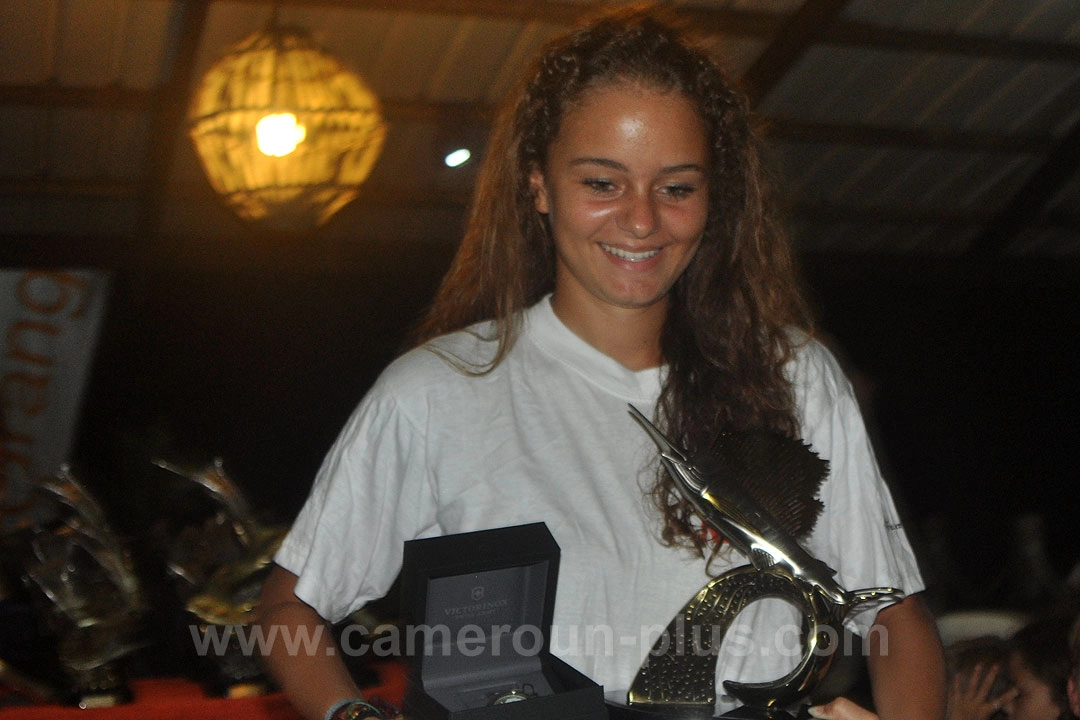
(478,608)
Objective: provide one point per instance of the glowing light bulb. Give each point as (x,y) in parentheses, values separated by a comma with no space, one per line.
(278,134)
(457,158)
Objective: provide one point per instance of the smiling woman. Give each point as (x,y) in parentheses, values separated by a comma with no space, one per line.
(619,251)
(624,188)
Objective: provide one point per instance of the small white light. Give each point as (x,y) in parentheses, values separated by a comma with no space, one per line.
(458,158)
(278,135)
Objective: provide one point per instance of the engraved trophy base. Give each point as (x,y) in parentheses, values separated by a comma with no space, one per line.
(104,686)
(103,698)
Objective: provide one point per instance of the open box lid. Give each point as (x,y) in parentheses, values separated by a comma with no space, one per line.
(478,609)
(479,603)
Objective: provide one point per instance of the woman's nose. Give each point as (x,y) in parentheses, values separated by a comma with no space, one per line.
(639,217)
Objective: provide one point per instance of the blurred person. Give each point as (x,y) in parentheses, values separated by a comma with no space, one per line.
(979,684)
(1040,667)
(1074,675)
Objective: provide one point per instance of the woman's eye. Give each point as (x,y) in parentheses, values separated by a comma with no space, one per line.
(599,185)
(679,191)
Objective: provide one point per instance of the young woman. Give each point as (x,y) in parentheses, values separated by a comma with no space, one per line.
(619,250)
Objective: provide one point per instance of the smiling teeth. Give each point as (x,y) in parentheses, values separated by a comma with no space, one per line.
(631,256)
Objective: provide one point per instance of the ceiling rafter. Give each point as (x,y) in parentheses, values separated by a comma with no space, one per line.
(735,22)
(171,101)
(104,188)
(944,139)
(893,215)
(111,97)
(725,20)
(400,111)
(799,32)
(863,34)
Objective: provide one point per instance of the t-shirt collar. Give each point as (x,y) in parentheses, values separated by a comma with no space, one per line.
(544,328)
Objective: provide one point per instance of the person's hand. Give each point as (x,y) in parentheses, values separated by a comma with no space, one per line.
(969,694)
(841,709)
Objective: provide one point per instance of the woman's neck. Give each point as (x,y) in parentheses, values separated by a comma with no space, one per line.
(631,336)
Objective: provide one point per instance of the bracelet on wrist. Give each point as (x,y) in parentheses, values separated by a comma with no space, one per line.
(354,709)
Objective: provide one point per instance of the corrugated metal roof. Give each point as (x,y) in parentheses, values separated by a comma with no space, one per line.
(904,127)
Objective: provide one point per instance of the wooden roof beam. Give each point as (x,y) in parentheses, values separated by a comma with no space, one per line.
(879,136)
(170,106)
(800,31)
(868,35)
(399,111)
(726,20)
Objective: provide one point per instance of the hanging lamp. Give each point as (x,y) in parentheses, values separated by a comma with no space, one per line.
(285,133)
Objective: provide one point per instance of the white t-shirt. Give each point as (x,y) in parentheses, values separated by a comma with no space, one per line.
(547,436)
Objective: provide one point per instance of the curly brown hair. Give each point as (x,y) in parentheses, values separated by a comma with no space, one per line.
(727,336)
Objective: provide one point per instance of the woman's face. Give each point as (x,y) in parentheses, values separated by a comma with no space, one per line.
(1033,700)
(625,191)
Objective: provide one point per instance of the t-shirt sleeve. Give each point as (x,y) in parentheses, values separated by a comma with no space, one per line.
(860,533)
(372,493)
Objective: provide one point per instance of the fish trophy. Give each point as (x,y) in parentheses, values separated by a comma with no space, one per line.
(219,564)
(84,574)
(678,679)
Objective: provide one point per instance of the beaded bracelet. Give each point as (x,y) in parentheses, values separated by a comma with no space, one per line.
(353,709)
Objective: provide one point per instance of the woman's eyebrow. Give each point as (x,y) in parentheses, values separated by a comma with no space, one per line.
(615,165)
(603,162)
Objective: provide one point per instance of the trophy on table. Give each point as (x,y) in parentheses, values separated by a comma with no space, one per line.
(85,581)
(218,562)
(678,678)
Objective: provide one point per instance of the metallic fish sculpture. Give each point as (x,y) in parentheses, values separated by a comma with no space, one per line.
(85,576)
(219,565)
(779,567)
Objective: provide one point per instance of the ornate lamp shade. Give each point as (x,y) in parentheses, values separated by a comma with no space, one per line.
(285,133)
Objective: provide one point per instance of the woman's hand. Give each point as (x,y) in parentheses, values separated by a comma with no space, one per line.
(969,694)
(841,709)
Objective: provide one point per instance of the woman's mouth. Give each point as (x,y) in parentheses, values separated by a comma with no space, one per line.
(631,256)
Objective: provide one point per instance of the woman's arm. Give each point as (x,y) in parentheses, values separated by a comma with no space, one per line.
(907,668)
(907,663)
(312,675)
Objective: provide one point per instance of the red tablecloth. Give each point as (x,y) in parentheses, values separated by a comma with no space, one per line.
(179,699)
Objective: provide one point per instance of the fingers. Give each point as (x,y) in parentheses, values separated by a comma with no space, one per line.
(969,694)
(985,678)
(841,709)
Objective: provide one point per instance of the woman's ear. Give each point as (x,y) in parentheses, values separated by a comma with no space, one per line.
(539,191)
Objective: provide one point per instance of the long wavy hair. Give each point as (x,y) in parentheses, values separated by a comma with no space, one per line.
(727,334)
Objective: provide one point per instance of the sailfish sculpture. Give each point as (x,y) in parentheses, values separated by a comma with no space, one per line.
(679,678)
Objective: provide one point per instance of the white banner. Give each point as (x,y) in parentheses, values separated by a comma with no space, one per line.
(49,323)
